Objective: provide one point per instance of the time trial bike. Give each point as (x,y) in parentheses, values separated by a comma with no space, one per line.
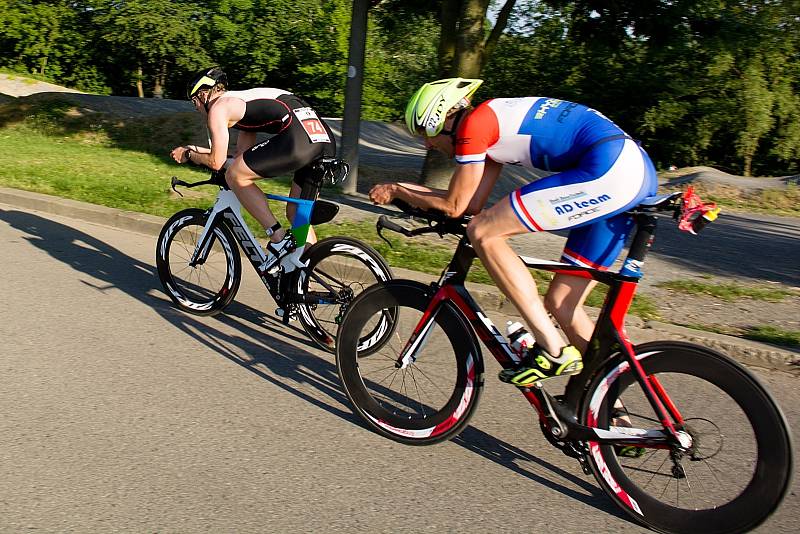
(200,267)
(713,449)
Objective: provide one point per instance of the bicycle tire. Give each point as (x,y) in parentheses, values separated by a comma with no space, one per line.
(209,287)
(437,393)
(717,502)
(347,265)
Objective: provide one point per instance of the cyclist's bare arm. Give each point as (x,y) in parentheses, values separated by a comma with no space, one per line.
(491,172)
(469,189)
(218,130)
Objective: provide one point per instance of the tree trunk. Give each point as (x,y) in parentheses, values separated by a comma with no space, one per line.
(463,51)
(160,80)
(448,37)
(499,25)
(43,65)
(469,45)
(139,84)
(437,170)
(748,165)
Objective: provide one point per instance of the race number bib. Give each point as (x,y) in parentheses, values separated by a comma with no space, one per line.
(313,126)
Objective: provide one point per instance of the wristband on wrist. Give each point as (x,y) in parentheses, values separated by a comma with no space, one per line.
(272,229)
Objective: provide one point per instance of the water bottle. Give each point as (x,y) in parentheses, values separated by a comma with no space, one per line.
(519,338)
(700,222)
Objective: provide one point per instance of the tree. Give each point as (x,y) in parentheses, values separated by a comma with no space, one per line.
(466,43)
(50,38)
(156,35)
(699,81)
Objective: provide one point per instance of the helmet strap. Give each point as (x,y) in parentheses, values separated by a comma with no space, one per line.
(457,116)
(208,101)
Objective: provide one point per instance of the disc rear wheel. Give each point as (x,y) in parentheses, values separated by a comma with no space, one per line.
(738,465)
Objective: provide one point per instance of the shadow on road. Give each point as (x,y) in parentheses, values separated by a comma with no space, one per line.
(513,458)
(253,345)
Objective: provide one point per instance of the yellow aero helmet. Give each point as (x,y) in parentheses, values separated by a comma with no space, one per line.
(427,110)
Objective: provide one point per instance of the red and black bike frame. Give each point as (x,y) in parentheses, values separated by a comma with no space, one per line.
(608,340)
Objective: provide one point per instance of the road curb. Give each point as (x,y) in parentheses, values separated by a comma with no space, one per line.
(488,297)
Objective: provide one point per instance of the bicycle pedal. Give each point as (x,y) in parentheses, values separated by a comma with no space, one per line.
(585,467)
(284,316)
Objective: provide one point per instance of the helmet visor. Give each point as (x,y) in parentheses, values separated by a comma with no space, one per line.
(204,81)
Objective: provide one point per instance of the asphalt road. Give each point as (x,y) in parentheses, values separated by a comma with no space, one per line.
(121,414)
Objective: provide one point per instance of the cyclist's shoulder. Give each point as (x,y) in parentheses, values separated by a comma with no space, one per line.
(256,93)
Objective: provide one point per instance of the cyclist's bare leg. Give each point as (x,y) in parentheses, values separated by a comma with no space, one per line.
(241,180)
(291,209)
(488,232)
(564,299)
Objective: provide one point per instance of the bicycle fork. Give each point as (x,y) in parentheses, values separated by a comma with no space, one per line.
(419,336)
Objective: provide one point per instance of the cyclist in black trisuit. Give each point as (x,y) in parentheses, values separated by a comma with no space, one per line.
(299,138)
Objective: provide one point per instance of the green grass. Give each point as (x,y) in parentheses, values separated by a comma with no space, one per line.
(784,201)
(727,291)
(24,76)
(770,334)
(763,333)
(772,201)
(95,173)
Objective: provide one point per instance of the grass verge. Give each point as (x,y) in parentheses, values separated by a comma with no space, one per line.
(763,333)
(771,201)
(727,291)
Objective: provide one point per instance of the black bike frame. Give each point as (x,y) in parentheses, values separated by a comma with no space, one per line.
(609,337)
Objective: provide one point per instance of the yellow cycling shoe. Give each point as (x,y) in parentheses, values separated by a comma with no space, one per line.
(538,365)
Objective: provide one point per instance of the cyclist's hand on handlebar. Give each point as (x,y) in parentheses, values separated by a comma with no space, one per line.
(180,154)
(382,193)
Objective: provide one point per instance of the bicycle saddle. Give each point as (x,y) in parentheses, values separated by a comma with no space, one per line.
(334,170)
(660,202)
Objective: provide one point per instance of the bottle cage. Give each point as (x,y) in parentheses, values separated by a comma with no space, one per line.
(695,213)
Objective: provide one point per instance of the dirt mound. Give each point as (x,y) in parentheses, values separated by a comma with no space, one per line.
(15,85)
(385,148)
(109,121)
(119,106)
(709,178)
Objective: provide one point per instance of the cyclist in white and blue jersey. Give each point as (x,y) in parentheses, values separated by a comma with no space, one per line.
(599,173)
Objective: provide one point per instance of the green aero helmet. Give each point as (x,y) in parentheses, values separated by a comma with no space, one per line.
(428,108)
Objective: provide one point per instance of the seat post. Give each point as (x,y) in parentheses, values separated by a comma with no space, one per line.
(312,184)
(640,246)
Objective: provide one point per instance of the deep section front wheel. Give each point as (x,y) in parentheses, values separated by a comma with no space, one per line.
(432,395)
(738,467)
(339,269)
(210,285)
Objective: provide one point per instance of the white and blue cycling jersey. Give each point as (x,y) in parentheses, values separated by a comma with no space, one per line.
(600,172)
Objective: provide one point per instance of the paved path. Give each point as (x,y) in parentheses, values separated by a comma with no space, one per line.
(121,414)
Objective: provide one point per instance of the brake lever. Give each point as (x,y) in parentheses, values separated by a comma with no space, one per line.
(175,182)
(384,222)
(379,226)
